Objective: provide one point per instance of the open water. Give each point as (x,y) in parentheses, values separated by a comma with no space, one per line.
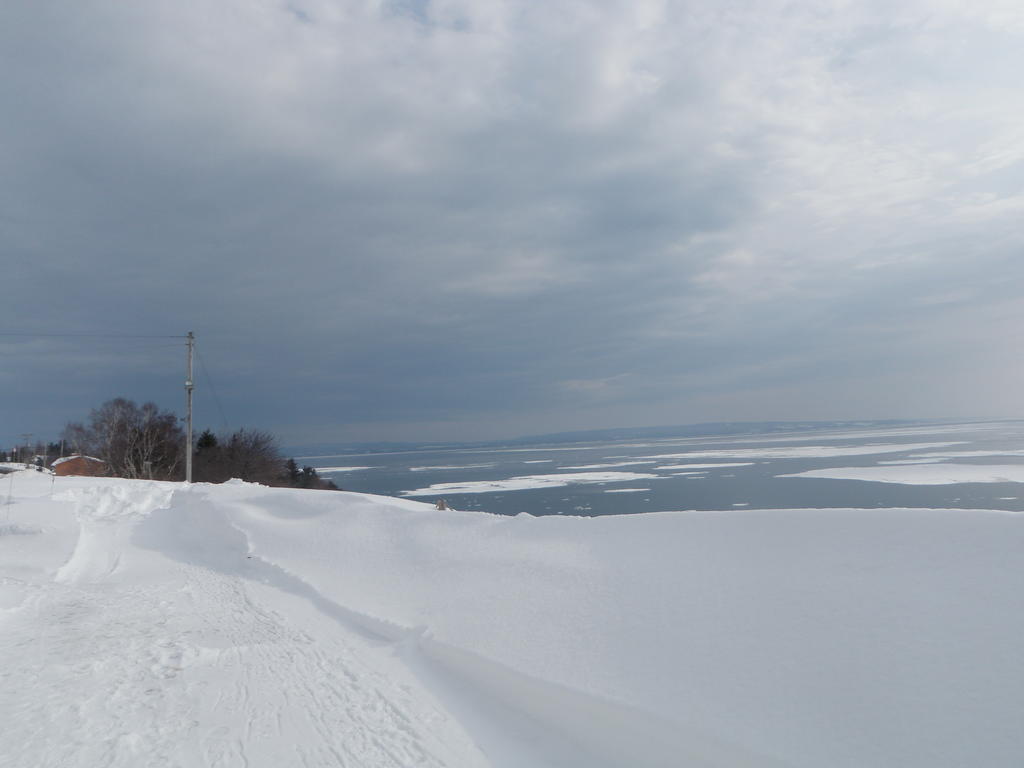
(464,476)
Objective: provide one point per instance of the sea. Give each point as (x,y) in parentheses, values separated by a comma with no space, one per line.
(965,465)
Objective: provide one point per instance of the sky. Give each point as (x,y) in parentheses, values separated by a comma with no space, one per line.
(475,219)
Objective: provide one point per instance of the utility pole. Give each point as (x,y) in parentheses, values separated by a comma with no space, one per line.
(26,440)
(189,386)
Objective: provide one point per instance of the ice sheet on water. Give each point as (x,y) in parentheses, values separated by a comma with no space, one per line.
(612,466)
(966,454)
(707,466)
(530,481)
(899,462)
(947,429)
(802,451)
(923,474)
(450,466)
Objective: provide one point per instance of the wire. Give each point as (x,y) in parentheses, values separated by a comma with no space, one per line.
(90,335)
(131,344)
(209,382)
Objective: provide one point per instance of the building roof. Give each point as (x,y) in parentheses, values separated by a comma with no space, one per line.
(76,456)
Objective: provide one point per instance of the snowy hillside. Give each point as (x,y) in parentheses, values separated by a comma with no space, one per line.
(146,624)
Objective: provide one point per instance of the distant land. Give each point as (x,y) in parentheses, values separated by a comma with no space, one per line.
(705,429)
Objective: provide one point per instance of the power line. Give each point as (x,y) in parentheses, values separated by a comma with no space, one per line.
(90,335)
(154,346)
(213,391)
(95,344)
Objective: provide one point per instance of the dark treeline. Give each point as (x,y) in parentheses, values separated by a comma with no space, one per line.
(145,442)
(38,452)
(250,455)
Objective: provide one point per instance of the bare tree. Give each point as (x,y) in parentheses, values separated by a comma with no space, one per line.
(136,442)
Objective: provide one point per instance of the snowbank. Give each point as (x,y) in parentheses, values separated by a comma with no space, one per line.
(840,638)
(800,638)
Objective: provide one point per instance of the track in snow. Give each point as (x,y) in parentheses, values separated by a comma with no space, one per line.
(131,658)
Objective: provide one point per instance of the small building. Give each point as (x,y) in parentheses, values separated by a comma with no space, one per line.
(79,464)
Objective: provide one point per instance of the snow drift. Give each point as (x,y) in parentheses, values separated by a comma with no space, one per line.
(740,638)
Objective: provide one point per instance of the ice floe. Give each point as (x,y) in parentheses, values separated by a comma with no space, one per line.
(707,466)
(611,466)
(923,474)
(530,481)
(448,467)
(899,462)
(966,454)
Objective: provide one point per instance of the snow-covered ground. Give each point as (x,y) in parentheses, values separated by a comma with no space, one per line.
(12,466)
(147,624)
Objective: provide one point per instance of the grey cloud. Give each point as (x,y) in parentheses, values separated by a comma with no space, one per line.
(479,217)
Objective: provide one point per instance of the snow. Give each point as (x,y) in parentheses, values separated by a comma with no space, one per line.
(923,474)
(55,462)
(707,466)
(802,451)
(161,624)
(967,454)
(912,461)
(13,529)
(611,466)
(463,466)
(626,490)
(325,470)
(941,429)
(526,482)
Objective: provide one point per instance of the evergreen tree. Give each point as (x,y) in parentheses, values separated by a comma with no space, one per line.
(206,441)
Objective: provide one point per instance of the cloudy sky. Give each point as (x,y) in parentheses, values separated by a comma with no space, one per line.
(462,219)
